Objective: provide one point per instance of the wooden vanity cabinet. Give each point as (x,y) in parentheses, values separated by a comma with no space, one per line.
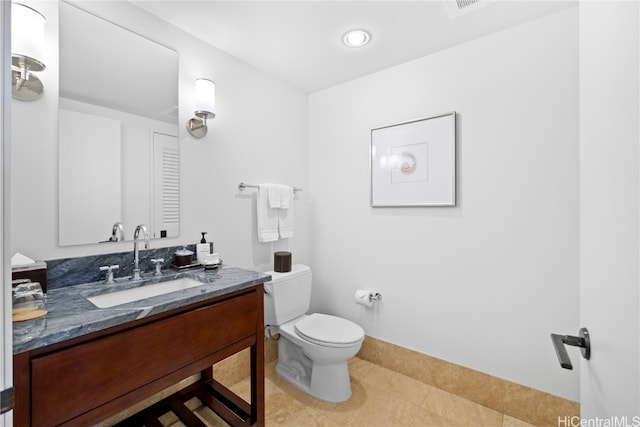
(87,379)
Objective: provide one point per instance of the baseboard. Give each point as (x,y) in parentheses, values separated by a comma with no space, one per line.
(518,401)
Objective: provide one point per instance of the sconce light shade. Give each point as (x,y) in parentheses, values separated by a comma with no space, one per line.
(27,49)
(205,96)
(205,105)
(27,32)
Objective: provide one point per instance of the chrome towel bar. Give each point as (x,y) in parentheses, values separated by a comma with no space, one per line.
(242,186)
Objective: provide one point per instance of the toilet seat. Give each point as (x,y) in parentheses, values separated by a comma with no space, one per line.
(327,330)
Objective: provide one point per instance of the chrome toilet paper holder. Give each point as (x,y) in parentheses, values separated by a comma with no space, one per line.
(375,297)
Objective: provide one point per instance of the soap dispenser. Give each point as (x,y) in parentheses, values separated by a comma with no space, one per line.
(203,249)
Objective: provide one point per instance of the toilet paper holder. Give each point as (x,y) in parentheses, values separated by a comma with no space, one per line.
(366,297)
(377,296)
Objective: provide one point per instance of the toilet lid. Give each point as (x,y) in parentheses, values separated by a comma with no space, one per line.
(330,330)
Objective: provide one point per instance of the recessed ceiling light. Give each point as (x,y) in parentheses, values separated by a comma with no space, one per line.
(356,38)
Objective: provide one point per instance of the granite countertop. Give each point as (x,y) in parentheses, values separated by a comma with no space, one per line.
(71,315)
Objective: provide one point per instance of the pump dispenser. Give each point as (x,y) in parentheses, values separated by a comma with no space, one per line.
(204,252)
(202,249)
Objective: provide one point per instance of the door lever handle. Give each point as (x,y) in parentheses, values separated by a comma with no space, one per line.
(581,341)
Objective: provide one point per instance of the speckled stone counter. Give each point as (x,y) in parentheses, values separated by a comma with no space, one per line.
(71,315)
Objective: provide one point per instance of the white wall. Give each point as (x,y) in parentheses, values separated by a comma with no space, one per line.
(485,283)
(258,135)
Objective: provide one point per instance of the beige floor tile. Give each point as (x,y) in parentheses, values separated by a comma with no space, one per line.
(210,418)
(170,420)
(536,407)
(372,407)
(514,422)
(243,389)
(381,398)
(424,418)
(400,385)
(283,408)
(465,412)
(359,368)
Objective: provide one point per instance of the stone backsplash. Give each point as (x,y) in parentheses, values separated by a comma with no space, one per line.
(86,269)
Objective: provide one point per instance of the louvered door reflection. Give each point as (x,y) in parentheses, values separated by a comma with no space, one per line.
(166,186)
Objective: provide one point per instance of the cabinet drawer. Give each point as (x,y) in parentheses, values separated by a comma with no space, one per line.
(67,382)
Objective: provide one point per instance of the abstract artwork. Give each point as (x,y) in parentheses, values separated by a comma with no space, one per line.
(414,163)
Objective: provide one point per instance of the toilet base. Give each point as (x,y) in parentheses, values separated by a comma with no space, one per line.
(329,382)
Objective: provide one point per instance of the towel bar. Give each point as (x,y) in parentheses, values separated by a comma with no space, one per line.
(242,186)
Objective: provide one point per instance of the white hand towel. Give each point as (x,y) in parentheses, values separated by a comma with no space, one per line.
(286,197)
(279,196)
(285,222)
(267,218)
(19,259)
(285,213)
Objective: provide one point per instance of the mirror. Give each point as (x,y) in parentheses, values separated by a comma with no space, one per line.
(119,159)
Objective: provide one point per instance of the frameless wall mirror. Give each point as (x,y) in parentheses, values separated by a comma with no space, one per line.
(119,159)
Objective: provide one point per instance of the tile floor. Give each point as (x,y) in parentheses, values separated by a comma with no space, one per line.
(381,397)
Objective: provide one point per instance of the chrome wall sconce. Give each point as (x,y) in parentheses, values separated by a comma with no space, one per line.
(205,103)
(27,48)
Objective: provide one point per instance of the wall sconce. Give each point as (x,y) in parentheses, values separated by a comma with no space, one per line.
(27,47)
(205,103)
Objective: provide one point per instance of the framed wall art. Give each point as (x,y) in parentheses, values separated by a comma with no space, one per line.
(414,163)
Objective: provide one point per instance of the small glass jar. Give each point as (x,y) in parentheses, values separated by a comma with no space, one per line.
(29,310)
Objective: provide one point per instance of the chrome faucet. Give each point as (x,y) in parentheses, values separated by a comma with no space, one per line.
(136,257)
(117,233)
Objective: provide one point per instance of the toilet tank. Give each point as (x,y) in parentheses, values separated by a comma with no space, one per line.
(287,295)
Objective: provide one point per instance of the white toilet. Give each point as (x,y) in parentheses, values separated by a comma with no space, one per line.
(313,349)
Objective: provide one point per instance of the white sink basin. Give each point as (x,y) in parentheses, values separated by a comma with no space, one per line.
(142,292)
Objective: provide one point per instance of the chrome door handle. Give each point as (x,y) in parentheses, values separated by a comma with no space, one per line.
(581,341)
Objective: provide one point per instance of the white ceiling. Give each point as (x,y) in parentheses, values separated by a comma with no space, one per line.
(300,41)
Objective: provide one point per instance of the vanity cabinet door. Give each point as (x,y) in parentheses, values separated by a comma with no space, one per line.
(69,382)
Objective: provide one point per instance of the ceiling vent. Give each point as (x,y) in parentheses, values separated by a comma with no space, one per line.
(458,8)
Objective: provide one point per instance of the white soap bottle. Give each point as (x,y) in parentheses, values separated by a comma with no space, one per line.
(203,249)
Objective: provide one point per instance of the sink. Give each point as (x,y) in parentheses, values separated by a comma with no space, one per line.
(145,291)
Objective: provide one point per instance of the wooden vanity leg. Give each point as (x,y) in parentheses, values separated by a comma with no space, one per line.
(22,389)
(257,365)
(207,374)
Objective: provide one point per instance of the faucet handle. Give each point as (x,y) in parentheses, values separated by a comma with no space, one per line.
(158,263)
(109,269)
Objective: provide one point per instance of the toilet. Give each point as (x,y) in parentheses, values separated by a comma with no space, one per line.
(313,349)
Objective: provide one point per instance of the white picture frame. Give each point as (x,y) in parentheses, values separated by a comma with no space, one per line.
(414,163)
